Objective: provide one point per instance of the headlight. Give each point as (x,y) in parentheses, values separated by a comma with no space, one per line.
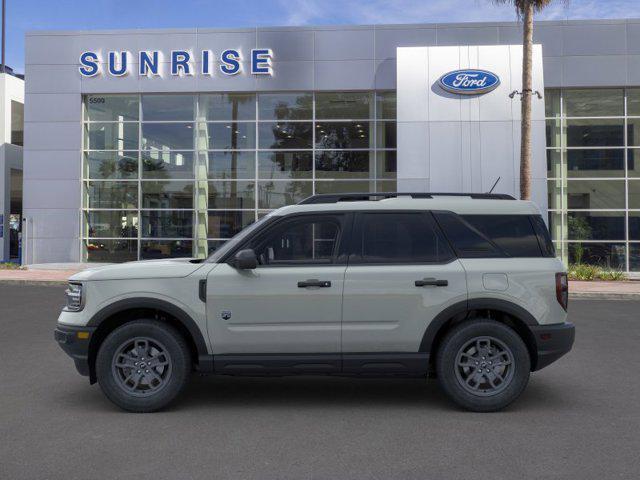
(74,297)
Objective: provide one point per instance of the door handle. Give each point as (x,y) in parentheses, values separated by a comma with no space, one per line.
(431,282)
(314,283)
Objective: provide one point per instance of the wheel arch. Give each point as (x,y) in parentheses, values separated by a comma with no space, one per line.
(503,311)
(124,311)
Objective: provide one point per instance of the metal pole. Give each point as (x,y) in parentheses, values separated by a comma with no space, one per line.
(4,6)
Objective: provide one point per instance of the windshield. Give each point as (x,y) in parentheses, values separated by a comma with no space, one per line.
(235,240)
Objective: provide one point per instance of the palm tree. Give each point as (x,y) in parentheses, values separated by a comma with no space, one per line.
(525,10)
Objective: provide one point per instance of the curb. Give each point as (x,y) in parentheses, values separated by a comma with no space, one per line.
(604,296)
(36,283)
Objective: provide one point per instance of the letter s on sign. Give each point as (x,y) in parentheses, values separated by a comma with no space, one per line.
(88,64)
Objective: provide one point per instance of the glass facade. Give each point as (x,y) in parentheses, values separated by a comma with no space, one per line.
(593,137)
(168,175)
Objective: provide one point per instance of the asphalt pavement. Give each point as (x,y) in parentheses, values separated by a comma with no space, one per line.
(578,419)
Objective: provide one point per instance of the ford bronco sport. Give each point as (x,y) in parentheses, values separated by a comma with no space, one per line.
(463,287)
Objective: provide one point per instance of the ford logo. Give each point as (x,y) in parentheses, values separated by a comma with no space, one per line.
(469,82)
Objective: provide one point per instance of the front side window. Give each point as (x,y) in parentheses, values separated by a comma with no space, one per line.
(387,238)
(312,240)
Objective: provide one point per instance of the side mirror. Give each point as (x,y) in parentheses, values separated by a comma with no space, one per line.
(245,260)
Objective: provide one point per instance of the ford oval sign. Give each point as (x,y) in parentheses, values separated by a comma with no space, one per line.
(469,82)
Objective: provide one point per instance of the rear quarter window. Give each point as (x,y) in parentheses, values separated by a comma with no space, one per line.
(514,234)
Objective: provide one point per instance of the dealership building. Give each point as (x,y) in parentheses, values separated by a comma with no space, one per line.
(144,144)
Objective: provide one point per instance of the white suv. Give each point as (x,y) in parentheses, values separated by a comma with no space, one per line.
(465,287)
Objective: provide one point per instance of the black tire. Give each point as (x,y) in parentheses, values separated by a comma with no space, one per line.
(134,390)
(457,364)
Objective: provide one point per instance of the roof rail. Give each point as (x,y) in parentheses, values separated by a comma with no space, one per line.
(359,197)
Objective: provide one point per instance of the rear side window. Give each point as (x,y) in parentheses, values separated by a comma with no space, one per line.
(467,241)
(389,238)
(544,238)
(514,234)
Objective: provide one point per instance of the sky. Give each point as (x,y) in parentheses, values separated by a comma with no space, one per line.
(26,15)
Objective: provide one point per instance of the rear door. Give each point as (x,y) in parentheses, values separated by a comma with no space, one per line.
(401,274)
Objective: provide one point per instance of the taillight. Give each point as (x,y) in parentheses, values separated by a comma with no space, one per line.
(562,290)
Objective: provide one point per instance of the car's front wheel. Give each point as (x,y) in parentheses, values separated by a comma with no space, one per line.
(143,365)
(483,365)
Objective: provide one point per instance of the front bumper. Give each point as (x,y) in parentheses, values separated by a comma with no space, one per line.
(75,343)
(552,342)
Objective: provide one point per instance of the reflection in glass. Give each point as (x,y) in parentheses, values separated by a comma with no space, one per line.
(285,165)
(227,136)
(633,102)
(600,102)
(634,257)
(227,224)
(276,194)
(554,164)
(167,164)
(634,225)
(552,103)
(168,107)
(347,105)
(595,133)
(167,136)
(633,132)
(227,106)
(167,224)
(109,251)
(595,194)
(596,226)
(386,105)
(595,163)
(111,136)
(156,249)
(229,164)
(111,165)
(172,194)
(285,106)
(633,162)
(344,187)
(386,135)
(343,135)
(285,135)
(111,108)
(344,164)
(111,224)
(230,194)
(554,133)
(554,190)
(112,194)
(634,194)
(610,256)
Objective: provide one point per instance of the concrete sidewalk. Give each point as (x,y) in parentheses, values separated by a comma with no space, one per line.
(629,290)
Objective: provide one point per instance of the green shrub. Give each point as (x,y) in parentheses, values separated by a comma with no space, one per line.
(584,272)
(10,266)
(611,275)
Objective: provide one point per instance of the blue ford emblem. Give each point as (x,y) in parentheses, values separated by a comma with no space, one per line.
(469,82)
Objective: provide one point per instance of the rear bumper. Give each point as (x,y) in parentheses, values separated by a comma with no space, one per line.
(74,345)
(552,342)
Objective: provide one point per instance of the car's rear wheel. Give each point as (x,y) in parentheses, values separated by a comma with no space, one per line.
(143,365)
(483,365)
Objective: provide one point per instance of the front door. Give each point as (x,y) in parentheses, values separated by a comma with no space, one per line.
(292,302)
(401,274)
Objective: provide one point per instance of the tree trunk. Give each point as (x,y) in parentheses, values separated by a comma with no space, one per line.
(525,145)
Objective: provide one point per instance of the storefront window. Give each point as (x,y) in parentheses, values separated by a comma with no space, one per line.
(178,174)
(594,176)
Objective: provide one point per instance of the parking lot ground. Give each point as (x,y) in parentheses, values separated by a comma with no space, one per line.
(578,419)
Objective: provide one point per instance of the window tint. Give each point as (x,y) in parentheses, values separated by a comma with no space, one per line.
(544,238)
(401,238)
(313,240)
(512,233)
(467,241)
